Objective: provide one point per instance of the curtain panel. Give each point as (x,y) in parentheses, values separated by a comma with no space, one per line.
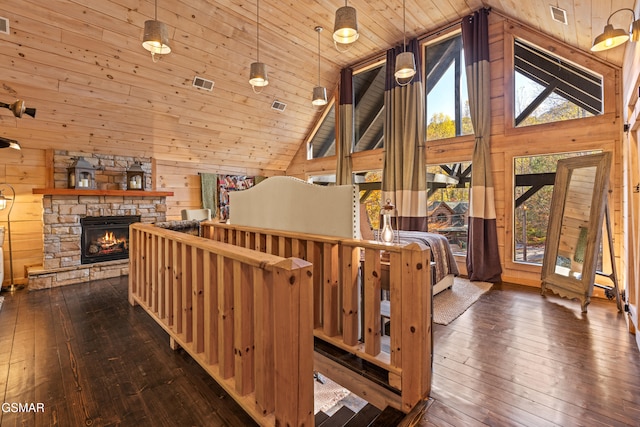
(209,190)
(483,260)
(346,131)
(404,176)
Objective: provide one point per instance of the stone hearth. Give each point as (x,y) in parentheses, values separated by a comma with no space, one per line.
(62,234)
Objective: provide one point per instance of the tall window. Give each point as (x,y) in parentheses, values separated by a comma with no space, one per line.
(368,89)
(534,178)
(448,202)
(323,141)
(447,101)
(549,88)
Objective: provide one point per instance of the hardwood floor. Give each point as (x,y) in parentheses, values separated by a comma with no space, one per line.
(513,359)
(92,359)
(518,359)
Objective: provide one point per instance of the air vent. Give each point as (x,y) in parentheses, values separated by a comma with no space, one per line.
(201,83)
(4,25)
(277,105)
(558,15)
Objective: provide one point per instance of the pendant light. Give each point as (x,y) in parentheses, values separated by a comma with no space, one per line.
(258,74)
(406,61)
(319,92)
(612,37)
(156,36)
(345,30)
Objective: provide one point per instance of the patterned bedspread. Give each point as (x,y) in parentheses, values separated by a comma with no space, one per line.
(441,252)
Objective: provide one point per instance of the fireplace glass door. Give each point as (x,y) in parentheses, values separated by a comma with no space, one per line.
(105,238)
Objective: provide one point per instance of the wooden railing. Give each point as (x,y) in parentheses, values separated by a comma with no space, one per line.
(347,279)
(244,316)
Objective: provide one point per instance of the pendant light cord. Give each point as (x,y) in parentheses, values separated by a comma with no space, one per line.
(258,28)
(404,26)
(318,29)
(156,12)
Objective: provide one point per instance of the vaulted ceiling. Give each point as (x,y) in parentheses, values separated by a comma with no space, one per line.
(81,64)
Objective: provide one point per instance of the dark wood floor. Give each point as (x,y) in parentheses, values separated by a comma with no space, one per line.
(514,358)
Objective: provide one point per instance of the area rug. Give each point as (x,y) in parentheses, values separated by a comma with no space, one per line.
(449,304)
(327,394)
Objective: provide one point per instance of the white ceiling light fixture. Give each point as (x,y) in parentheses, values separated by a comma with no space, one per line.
(319,92)
(258,74)
(406,61)
(345,30)
(156,36)
(612,37)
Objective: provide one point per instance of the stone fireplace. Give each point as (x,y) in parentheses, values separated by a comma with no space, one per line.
(65,211)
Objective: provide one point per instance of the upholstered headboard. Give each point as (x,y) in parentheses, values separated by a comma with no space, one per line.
(290,204)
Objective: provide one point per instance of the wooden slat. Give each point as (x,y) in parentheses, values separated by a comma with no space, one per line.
(330,289)
(243,341)
(350,299)
(198,269)
(225,317)
(372,320)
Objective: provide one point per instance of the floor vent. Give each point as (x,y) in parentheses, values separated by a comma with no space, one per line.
(558,15)
(4,25)
(201,83)
(277,105)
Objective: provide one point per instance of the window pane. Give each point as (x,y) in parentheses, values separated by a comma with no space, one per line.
(370,196)
(368,88)
(447,102)
(448,203)
(549,88)
(323,142)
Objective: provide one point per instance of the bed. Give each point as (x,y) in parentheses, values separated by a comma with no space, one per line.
(290,204)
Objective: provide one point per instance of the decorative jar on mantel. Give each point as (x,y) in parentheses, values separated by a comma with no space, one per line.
(81,175)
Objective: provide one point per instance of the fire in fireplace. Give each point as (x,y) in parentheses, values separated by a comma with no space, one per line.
(105,238)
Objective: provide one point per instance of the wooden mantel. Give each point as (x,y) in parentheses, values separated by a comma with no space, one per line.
(95,192)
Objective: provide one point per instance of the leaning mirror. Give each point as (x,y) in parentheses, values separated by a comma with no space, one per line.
(575,226)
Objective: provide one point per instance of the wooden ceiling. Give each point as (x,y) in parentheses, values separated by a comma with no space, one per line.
(81,64)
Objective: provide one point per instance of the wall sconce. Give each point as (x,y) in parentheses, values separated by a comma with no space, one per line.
(81,175)
(612,37)
(406,61)
(345,30)
(135,177)
(258,73)
(156,36)
(9,143)
(319,92)
(4,201)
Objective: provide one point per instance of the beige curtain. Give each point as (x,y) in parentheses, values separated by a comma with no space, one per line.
(209,189)
(483,259)
(404,177)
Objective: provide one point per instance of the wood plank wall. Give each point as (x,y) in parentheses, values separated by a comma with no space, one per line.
(23,170)
(631,211)
(598,133)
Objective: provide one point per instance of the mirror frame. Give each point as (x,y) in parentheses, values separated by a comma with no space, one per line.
(570,286)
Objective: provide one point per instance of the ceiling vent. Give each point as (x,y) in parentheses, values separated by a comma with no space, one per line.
(558,15)
(277,105)
(201,83)
(4,25)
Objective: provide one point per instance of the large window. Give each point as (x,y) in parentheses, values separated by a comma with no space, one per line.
(448,202)
(323,142)
(549,88)
(368,90)
(447,102)
(534,178)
